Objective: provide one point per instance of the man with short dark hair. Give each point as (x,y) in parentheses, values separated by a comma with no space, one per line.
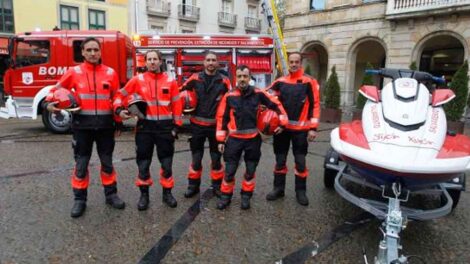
(95,85)
(209,87)
(300,96)
(237,133)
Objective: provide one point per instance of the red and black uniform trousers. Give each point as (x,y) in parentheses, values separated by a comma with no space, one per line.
(281,145)
(93,126)
(199,134)
(234,148)
(152,134)
(299,96)
(209,90)
(237,114)
(94,85)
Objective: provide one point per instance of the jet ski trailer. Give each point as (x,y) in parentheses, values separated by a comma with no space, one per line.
(392,154)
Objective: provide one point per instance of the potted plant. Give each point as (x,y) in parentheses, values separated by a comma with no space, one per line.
(331,112)
(455,108)
(361,100)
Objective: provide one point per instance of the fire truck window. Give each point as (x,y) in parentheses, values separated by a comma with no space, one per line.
(32,52)
(77,51)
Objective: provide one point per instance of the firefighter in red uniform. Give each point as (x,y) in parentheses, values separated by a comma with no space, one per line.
(209,87)
(159,127)
(237,116)
(95,85)
(299,94)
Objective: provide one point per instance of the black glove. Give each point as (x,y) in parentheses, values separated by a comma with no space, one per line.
(119,126)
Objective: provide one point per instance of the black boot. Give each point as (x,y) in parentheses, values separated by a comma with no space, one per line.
(143,203)
(216,187)
(110,191)
(246,196)
(193,188)
(115,201)
(78,208)
(168,198)
(300,190)
(279,186)
(79,205)
(224,201)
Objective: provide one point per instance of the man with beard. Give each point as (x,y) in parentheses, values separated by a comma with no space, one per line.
(157,126)
(237,117)
(209,87)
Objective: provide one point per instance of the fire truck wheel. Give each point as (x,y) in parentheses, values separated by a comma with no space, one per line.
(58,123)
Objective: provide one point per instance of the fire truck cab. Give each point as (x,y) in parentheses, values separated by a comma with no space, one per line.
(183,54)
(39,59)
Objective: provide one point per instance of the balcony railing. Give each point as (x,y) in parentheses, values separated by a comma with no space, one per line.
(227,19)
(409,8)
(161,8)
(253,24)
(188,12)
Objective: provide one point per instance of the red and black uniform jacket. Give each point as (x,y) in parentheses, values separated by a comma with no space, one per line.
(237,113)
(300,96)
(160,93)
(209,94)
(95,85)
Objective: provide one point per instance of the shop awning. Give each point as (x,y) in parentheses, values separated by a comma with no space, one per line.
(3,46)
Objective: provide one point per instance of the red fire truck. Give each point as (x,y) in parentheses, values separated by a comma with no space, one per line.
(39,59)
(183,54)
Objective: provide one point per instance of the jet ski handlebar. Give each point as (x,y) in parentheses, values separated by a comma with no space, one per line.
(405,73)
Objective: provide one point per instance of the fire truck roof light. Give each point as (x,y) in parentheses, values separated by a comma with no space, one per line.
(37,29)
(136,37)
(254,38)
(156,37)
(207,37)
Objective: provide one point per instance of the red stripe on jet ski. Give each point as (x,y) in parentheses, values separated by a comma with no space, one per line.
(353,133)
(455,147)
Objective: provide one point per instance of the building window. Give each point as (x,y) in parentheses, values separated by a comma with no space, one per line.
(252,11)
(227,6)
(317,4)
(69,17)
(6,16)
(158,29)
(96,19)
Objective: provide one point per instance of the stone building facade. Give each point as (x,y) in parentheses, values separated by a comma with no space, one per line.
(433,34)
(197,16)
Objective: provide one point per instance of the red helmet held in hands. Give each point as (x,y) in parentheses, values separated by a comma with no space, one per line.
(189,100)
(268,121)
(66,100)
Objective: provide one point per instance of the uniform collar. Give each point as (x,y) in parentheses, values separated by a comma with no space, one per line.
(297,74)
(248,90)
(91,66)
(216,76)
(152,75)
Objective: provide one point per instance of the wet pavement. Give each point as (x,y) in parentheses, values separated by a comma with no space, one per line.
(36,198)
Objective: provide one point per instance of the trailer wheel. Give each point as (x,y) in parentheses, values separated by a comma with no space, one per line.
(329,175)
(58,123)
